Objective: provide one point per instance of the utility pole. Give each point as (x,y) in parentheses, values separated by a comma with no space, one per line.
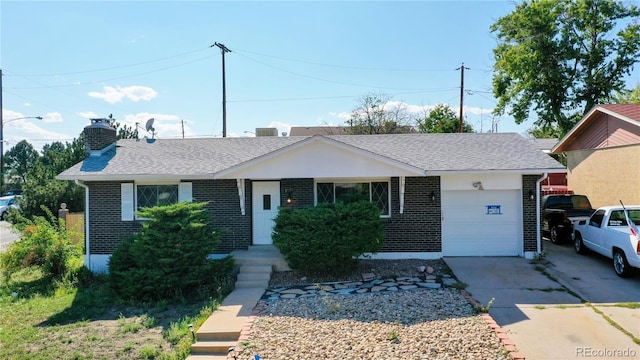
(182,128)
(461,68)
(223,50)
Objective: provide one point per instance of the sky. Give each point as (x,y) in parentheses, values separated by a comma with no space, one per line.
(291,63)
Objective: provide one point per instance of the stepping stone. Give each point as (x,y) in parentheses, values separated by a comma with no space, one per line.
(288,296)
(378,288)
(293,291)
(392,288)
(408,287)
(368,276)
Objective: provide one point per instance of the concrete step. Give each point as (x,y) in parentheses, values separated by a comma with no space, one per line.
(218,335)
(251,268)
(250,276)
(207,357)
(244,284)
(212,347)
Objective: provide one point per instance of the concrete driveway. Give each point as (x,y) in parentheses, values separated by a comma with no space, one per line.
(561,307)
(6,235)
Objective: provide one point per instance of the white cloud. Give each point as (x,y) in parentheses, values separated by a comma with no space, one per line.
(53,117)
(134,93)
(26,104)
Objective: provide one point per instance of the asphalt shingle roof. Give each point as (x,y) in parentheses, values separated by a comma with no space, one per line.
(206,156)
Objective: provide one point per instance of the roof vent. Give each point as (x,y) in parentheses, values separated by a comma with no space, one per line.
(266,132)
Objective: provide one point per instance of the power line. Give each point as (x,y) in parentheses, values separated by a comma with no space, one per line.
(112,67)
(111,79)
(341,66)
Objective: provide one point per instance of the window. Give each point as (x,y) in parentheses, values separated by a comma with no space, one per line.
(376,192)
(154,195)
(133,197)
(596,218)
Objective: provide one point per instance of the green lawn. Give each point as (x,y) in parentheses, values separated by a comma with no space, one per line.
(39,320)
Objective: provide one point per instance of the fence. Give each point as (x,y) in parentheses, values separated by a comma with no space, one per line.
(75,225)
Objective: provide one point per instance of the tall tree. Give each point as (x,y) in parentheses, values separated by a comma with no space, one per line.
(19,159)
(442,119)
(627,96)
(375,114)
(561,57)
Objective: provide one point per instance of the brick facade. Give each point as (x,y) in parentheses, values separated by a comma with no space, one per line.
(224,205)
(106,229)
(302,193)
(418,228)
(529,212)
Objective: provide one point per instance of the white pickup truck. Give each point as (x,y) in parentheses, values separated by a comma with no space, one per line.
(607,233)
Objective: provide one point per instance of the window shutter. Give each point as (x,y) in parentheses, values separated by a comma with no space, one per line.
(126,198)
(184,192)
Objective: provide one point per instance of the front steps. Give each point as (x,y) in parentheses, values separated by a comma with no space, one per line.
(222,329)
(256,265)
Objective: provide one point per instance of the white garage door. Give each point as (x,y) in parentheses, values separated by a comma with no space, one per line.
(481,223)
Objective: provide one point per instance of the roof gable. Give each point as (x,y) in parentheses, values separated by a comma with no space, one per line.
(318,157)
(604,126)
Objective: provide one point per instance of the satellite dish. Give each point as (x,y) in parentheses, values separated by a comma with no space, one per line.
(149,125)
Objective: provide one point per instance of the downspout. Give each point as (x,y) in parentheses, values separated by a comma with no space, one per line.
(538,232)
(87,241)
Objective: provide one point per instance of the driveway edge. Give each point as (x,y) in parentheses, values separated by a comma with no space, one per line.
(506,341)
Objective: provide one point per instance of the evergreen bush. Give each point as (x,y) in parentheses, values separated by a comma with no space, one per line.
(328,238)
(168,258)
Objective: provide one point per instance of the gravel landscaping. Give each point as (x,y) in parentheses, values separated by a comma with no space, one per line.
(412,324)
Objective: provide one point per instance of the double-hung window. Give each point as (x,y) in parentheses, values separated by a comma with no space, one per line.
(376,192)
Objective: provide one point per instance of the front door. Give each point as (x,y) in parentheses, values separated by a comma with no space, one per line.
(266,202)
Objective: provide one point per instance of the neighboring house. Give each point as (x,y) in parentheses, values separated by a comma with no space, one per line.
(440,194)
(318,130)
(603,154)
(555,183)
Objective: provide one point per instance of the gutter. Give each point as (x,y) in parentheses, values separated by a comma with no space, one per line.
(538,232)
(87,241)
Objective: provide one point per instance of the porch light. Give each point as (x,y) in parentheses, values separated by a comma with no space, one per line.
(532,196)
(433,196)
(288,194)
(478,185)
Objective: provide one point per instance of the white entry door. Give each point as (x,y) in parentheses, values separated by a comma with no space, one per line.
(266,202)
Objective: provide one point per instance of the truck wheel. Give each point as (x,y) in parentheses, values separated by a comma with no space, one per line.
(620,264)
(579,245)
(554,235)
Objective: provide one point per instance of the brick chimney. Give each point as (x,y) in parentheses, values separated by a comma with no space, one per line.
(98,136)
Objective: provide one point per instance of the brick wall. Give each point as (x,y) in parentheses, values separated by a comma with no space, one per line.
(529,212)
(106,229)
(302,193)
(224,205)
(418,228)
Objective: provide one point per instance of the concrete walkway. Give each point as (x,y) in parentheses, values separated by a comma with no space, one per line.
(222,330)
(544,321)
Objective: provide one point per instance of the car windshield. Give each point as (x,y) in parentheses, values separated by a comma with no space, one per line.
(4,202)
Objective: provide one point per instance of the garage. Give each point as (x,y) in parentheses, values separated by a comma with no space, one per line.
(482,222)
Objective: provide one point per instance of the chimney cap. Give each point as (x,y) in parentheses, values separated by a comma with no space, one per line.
(101,122)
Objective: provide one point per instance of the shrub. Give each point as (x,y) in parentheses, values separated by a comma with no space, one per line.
(329,237)
(167,259)
(44,243)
